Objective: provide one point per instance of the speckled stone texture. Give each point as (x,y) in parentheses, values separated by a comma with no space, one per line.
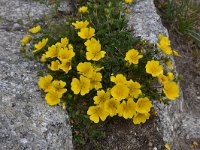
(177,125)
(26,121)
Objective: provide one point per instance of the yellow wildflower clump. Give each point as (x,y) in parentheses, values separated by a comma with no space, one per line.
(132,56)
(64,53)
(96,69)
(35,30)
(86,69)
(94,51)
(55,89)
(164,44)
(154,68)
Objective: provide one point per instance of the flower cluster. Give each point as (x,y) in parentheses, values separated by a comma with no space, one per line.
(122,100)
(82,66)
(164,45)
(54,89)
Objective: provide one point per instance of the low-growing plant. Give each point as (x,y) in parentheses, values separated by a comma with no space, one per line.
(97,69)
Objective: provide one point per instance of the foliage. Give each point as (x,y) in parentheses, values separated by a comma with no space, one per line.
(97,70)
(183,16)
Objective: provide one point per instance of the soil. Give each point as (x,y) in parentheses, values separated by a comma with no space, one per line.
(124,135)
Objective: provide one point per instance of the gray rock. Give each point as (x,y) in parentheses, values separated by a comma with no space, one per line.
(26,121)
(176,124)
(145,22)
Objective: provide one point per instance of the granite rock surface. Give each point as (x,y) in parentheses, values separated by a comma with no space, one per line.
(26,121)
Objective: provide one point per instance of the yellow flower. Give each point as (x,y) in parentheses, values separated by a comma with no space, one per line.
(143,105)
(65,66)
(52,52)
(101,97)
(64,42)
(169,64)
(40,45)
(52,98)
(119,79)
(162,78)
(171,90)
(44,83)
(54,66)
(132,56)
(65,54)
(164,44)
(92,45)
(120,91)
(97,112)
(85,69)
(111,106)
(43,58)
(95,80)
(58,87)
(127,109)
(170,76)
(86,33)
(26,39)
(140,118)
(167,146)
(134,89)
(35,30)
(128,1)
(80,24)
(83,9)
(95,55)
(153,68)
(81,86)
